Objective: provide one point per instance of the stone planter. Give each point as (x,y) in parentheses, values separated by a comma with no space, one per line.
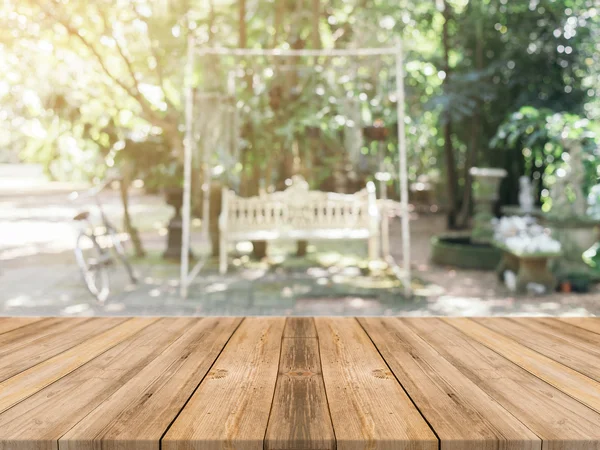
(575,236)
(486,183)
(460,251)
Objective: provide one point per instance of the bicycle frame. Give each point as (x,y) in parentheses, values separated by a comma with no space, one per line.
(105,252)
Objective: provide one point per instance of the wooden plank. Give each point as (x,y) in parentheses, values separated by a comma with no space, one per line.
(50,413)
(299,417)
(580,337)
(567,380)
(369,409)
(138,414)
(21,336)
(12,323)
(36,378)
(463,416)
(20,356)
(587,323)
(538,336)
(300,327)
(230,409)
(562,422)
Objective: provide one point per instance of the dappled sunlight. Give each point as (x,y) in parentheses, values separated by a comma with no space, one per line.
(216,287)
(421,119)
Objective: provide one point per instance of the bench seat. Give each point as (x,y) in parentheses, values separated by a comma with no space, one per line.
(298,213)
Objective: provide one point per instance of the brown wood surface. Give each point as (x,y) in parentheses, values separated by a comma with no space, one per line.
(565,379)
(587,323)
(299,417)
(562,422)
(463,416)
(34,379)
(21,335)
(299,383)
(579,337)
(369,409)
(24,353)
(300,327)
(155,395)
(50,413)
(542,338)
(12,323)
(231,407)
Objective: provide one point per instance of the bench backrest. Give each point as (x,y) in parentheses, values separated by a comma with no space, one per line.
(298,208)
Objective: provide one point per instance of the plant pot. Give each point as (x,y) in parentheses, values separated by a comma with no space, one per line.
(460,251)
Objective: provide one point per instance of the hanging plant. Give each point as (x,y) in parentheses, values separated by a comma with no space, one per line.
(377,132)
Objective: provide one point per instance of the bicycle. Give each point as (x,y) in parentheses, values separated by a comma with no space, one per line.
(96,247)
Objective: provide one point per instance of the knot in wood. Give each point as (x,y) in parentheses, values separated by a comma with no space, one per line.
(300,373)
(382,373)
(217,373)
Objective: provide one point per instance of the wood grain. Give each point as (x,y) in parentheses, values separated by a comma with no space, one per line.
(36,378)
(11,323)
(20,356)
(369,409)
(299,384)
(230,409)
(562,422)
(300,327)
(50,413)
(21,336)
(137,415)
(299,417)
(580,337)
(587,323)
(542,338)
(567,380)
(463,416)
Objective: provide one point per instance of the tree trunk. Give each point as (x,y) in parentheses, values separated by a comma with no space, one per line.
(451,173)
(465,211)
(316,18)
(475,140)
(242,24)
(129,228)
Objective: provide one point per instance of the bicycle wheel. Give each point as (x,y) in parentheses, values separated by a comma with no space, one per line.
(121,253)
(93,261)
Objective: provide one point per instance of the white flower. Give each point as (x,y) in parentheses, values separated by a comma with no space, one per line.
(524,235)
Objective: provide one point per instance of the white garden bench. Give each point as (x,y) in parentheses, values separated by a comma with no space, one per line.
(298,213)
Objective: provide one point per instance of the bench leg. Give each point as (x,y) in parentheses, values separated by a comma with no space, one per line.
(373,247)
(222,256)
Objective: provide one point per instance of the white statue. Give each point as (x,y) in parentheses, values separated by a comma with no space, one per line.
(526,200)
(567,195)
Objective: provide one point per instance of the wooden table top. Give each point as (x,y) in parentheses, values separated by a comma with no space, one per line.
(299,383)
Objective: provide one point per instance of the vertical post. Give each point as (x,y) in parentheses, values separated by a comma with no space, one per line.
(403,172)
(385,220)
(187,168)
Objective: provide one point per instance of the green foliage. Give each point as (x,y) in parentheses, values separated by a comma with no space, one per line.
(540,135)
(94,84)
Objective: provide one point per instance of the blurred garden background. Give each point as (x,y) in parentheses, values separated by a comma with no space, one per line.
(95,88)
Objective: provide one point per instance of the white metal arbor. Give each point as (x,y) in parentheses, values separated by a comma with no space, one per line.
(187,275)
